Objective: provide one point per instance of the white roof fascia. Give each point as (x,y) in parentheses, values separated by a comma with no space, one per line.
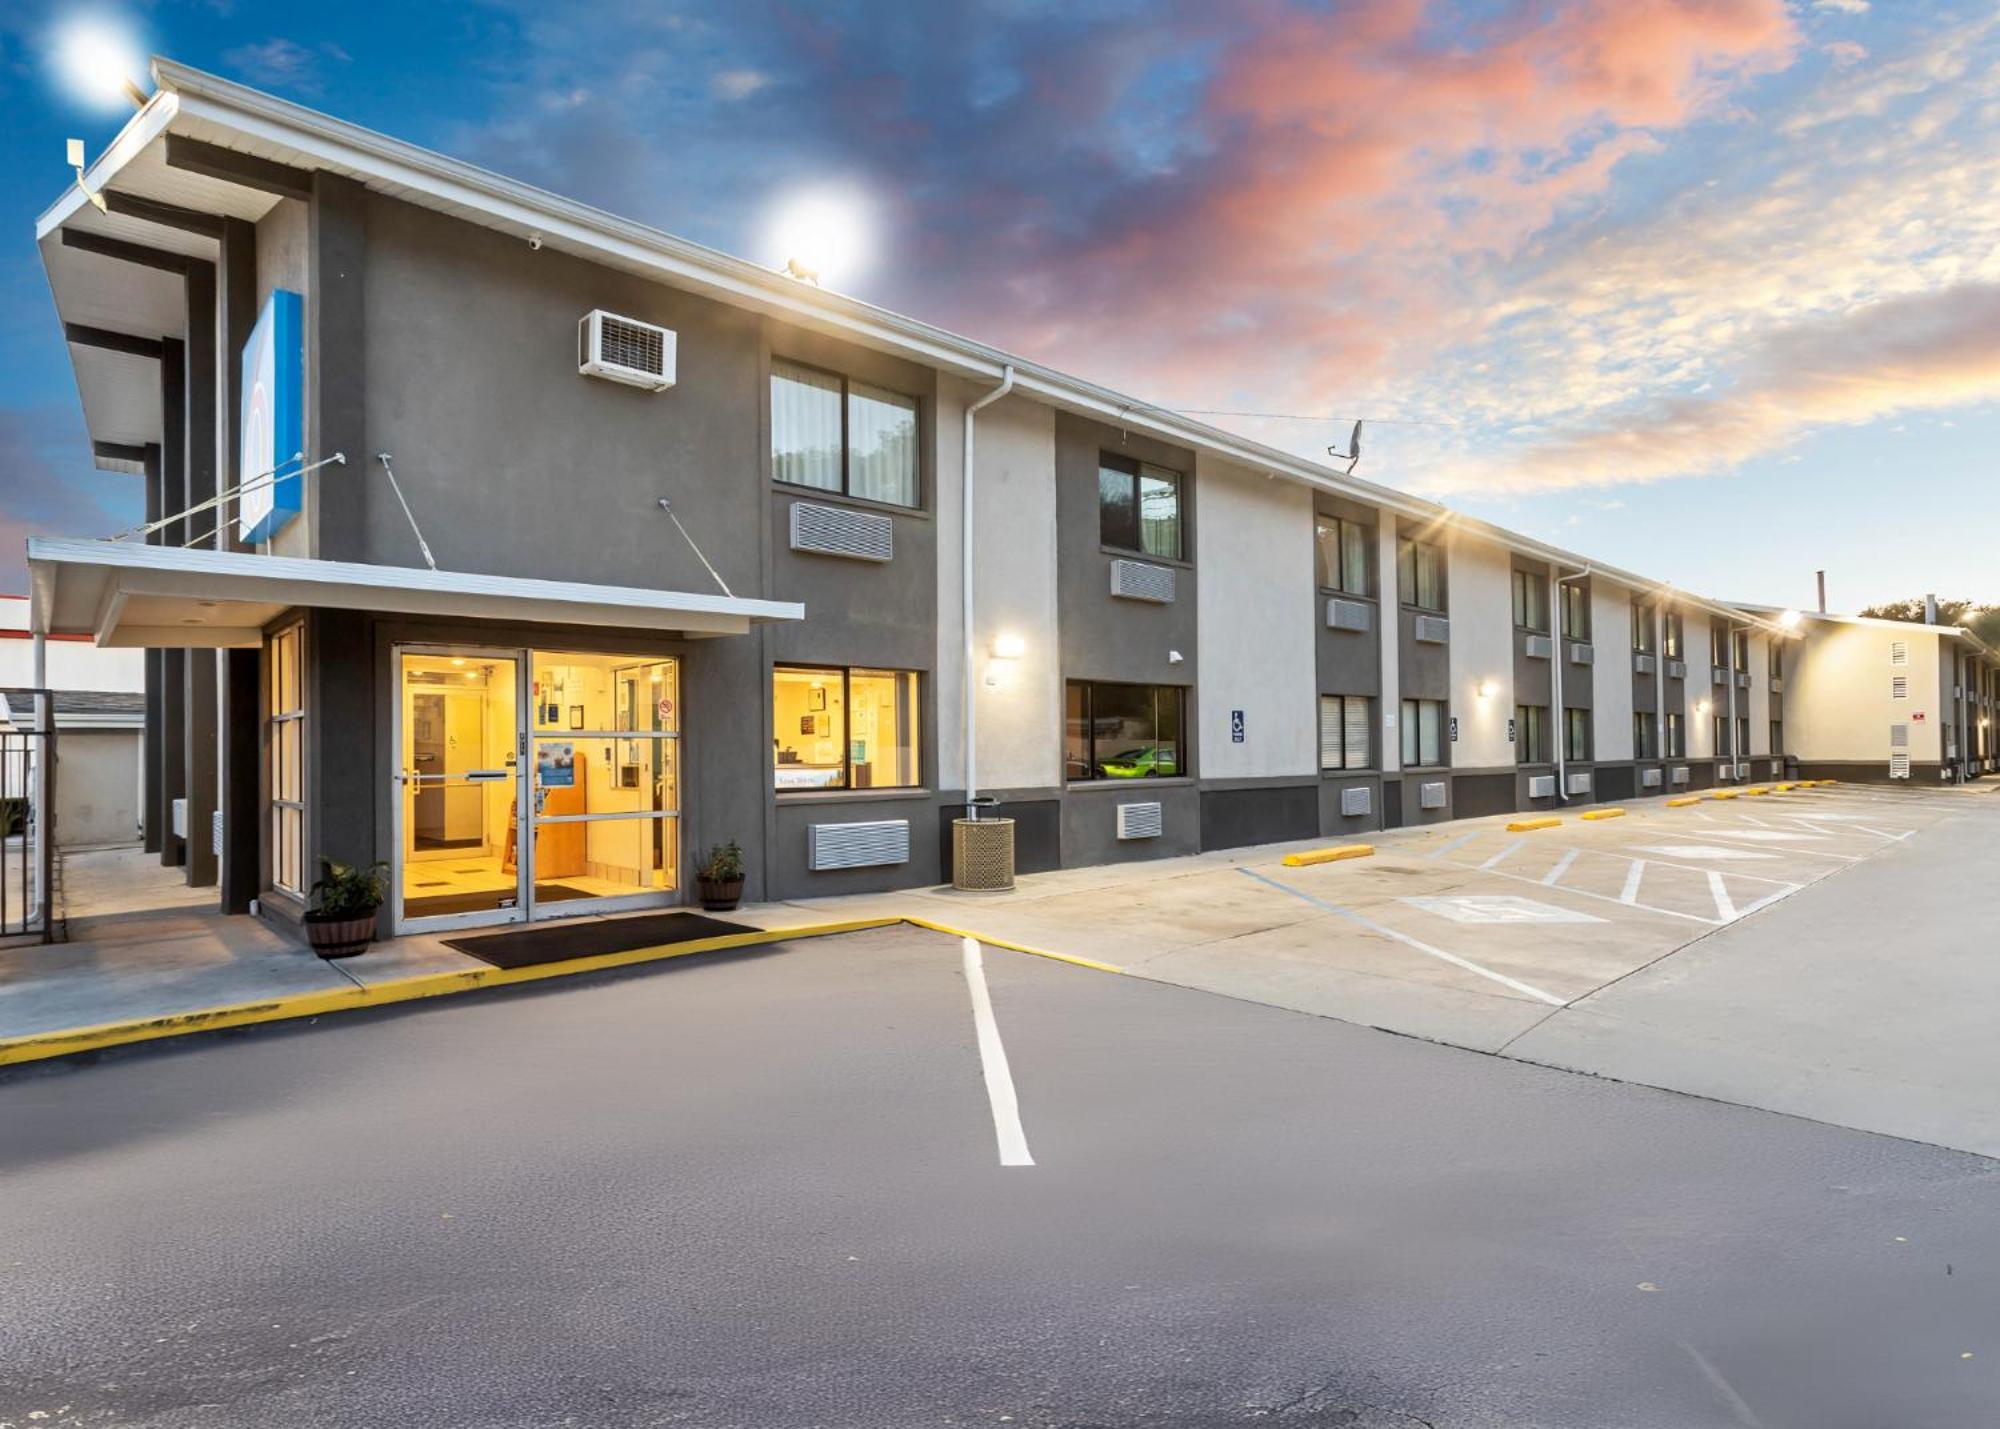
(140,130)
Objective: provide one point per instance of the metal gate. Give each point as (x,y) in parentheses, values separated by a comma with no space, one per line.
(27,816)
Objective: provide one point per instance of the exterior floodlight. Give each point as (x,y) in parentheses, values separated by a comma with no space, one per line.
(1789,619)
(1488,689)
(821,236)
(1009,647)
(97,61)
(76,162)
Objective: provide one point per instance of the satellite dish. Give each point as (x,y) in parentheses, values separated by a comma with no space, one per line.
(1353,453)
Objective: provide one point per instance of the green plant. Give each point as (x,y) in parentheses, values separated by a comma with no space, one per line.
(348,892)
(723,863)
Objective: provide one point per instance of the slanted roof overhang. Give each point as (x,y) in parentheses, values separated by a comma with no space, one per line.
(124,594)
(204,108)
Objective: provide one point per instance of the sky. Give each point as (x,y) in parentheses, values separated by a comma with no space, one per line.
(1705,289)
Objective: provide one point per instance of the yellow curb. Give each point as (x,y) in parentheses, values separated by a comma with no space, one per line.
(41,1046)
(1786,787)
(1754,793)
(1522,826)
(1605,814)
(1683,801)
(1327,855)
(1723,793)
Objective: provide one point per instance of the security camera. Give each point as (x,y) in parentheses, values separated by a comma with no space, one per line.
(535,241)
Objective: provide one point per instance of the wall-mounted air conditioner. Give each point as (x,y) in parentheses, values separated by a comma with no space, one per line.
(1677,669)
(1538,647)
(1140,821)
(1355,801)
(1679,775)
(1718,675)
(625,350)
(1582,654)
(1137,580)
(863,845)
(1777,684)
(1431,795)
(1541,786)
(1643,664)
(1649,778)
(1433,629)
(1743,678)
(836,531)
(1578,782)
(1349,615)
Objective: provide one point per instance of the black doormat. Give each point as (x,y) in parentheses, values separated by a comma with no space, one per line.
(434,905)
(589,938)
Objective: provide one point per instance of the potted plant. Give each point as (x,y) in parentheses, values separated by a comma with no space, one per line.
(341,920)
(719,880)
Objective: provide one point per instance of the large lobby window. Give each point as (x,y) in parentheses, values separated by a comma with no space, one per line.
(284,742)
(1122,731)
(836,434)
(1138,507)
(836,728)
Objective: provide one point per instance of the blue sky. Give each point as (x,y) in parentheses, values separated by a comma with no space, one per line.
(1709,289)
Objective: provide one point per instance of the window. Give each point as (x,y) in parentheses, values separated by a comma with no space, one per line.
(1341,553)
(1642,627)
(844,729)
(1645,729)
(1721,736)
(284,744)
(1742,736)
(834,434)
(1122,731)
(1675,635)
(1531,734)
(1777,738)
(1420,574)
(1345,722)
(1676,739)
(1423,733)
(1576,610)
(1740,650)
(1718,646)
(1531,601)
(1138,507)
(1576,734)
(1775,665)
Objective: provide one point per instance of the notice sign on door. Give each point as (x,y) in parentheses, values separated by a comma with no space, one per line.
(555,764)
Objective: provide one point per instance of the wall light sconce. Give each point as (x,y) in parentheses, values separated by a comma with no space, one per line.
(1009,647)
(1488,689)
(1702,707)
(1174,657)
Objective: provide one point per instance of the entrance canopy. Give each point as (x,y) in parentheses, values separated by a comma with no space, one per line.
(126,594)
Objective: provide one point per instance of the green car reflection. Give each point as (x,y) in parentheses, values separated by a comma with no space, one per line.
(1156,760)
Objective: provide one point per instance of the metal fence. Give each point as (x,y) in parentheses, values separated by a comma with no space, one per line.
(27,816)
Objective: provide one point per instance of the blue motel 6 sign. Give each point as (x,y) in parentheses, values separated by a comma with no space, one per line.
(272,487)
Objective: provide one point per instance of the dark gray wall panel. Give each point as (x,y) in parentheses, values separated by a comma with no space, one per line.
(1475,796)
(1090,823)
(1335,824)
(1235,818)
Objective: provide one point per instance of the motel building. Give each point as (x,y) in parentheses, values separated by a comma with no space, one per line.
(532,551)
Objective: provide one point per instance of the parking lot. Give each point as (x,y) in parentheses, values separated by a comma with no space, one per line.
(781,1188)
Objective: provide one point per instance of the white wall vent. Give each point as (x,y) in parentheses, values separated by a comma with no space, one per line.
(1717,675)
(1677,669)
(1679,775)
(1140,821)
(1899,652)
(1433,629)
(1899,766)
(1349,615)
(1724,773)
(180,818)
(1136,580)
(867,845)
(1649,778)
(1578,782)
(1541,786)
(1777,684)
(625,350)
(1899,687)
(1643,664)
(1538,647)
(1743,678)
(215,833)
(1357,800)
(836,531)
(1431,795)
(1582,654)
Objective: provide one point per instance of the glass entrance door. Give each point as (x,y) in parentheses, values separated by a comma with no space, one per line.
(458,778)
(605,782)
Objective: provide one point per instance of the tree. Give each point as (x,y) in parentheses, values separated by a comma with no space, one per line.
(1981,620)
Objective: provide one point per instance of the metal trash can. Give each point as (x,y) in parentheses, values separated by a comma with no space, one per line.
(982,855)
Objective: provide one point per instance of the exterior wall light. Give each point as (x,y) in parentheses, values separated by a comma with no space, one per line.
(1009,647)
(1488,689)
(1789,619)
(1702,707)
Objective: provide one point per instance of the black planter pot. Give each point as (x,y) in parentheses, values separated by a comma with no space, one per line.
(719,895)
(338,935)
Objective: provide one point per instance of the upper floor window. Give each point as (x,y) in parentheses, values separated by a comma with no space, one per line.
(1775,660)
(1718,645)
(1138,507)
(1642,626)
(1576,610)
(1420,573)
(1340,554)
(1675,634)
(835,434)
(1740,649)
(1531,601)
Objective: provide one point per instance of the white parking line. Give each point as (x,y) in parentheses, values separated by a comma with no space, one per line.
(1601,897)
(1554,875)
(1632,877)
(993,1058)
(1460,842)
(1718,835)
(1526,989)
(1494,862)
(1724,908)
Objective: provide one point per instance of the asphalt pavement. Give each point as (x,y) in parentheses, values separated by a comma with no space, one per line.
(765,1189)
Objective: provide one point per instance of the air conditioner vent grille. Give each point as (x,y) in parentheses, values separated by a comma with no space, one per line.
(1649,778)
(1433,629)
(1578,782)
(622,349)
(1137,580)
(1677,669)
(1431,795)
(1541,786)
(1349,615)
(1140,821)
(862,845)
(1538,647)
(1643,664)
(1582,654)
(1679,774)
(1356,801)
(836,531)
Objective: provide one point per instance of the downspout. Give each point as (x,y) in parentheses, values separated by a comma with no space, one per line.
(1735,754)
(965,526)
(1561,715)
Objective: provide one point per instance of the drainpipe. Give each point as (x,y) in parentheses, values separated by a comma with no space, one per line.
(1729,642)
(965,525)
(1561,716)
